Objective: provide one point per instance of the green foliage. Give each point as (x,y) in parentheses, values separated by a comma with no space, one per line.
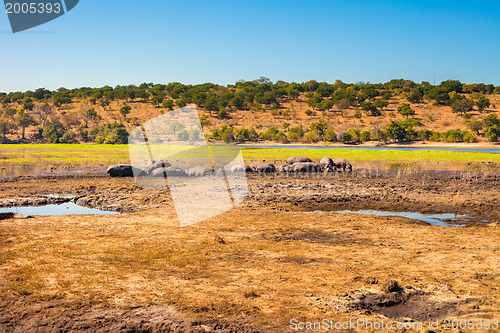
(168,104)
(53,131)
(112,133)
(24,120)
(416,95)
(396,131)
(482,103)
(222,114)
(406,110)
(493,133)
(475,126)
(125,110)
(68,137)
(330,135)
(183,135)
(491,120)
(365,136)
(425,134)
(370,109)
(411,123)
(296,133)
(467,116)
(461,104)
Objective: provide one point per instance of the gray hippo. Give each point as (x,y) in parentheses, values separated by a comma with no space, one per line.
(199,171)
(169,172)
(124,170)
(296,159)
(305,167)
(265,168)
(342,164)
(241,168)
(326,163)
(285,168)
(157,165)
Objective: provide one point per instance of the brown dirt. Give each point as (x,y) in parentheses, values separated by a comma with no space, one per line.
(255,267)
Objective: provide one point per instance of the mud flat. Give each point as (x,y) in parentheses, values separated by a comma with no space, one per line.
(273,259)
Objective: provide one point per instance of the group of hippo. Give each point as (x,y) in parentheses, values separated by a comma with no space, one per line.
(305,164)
(293,165)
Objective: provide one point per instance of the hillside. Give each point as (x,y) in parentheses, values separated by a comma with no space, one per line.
(282,112)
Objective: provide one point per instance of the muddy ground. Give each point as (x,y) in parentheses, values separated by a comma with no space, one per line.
(256,267)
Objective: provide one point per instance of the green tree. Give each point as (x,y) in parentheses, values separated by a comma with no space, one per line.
(24,120)
(482,103)
(168,104)
(176,127)
(53,131)
(365,136)
(6,127)
(493,133)
(370,109)
(460,104)
(406,110)
(125,110)
(475,126)
(222,114)
(396,131)
(296,133)
(491,120)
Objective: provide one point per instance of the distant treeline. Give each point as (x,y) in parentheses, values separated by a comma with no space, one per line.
(22,110)
(247,94)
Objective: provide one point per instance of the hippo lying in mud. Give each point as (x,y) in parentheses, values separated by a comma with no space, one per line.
(305,167)
(199,171)
(124,170)
(6,216)
(158,165)
(342,164)
(265,168)
(241,168)
(296,159)
(169,172)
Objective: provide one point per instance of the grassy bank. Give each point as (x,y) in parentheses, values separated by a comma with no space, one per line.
(99,155)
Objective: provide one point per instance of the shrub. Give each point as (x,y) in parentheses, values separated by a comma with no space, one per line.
(68,136)
(296,133)
(425,134)
(330,135)
(365,136)
(53,131)
(222,114)
(493,133)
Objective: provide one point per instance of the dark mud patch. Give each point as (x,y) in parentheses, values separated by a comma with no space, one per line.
(70,316)
(403,304)
(312,236)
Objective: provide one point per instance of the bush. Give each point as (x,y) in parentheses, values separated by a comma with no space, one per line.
(365,136)
(53,131)
(330,135)
(296,133)
(111,133)
(425,134)
(68,136)
(493,133)
(222,114)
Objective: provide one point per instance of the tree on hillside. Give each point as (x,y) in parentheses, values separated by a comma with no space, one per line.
(43,112)
(370,109)
(53,131)
(6,127)
(396,131)
(24,120)
(88,113)
(125,110)
(176,127)
(482,103)
(406,110)
(381,103)
(460,104)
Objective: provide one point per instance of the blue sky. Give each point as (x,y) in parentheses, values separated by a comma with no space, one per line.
(129,42)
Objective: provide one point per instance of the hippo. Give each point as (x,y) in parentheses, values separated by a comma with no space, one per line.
(169,172)
(285,168)
(305,167)
(266,168)
(241,168)
(296,159)
(326,163)
(157,165)
(342,164)
(124,170)
(199,171)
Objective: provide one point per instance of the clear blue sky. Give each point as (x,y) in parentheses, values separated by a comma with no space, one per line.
(129,42)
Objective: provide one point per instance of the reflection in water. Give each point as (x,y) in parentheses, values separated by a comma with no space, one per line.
(68,208)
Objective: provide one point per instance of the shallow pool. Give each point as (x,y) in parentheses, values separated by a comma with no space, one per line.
(441,220)
(68,208)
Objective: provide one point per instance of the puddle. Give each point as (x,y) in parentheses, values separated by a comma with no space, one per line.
(68,208)
(440,220)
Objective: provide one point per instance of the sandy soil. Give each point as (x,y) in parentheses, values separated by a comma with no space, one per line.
(255,267)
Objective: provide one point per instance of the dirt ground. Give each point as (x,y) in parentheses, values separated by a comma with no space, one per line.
(282,255)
